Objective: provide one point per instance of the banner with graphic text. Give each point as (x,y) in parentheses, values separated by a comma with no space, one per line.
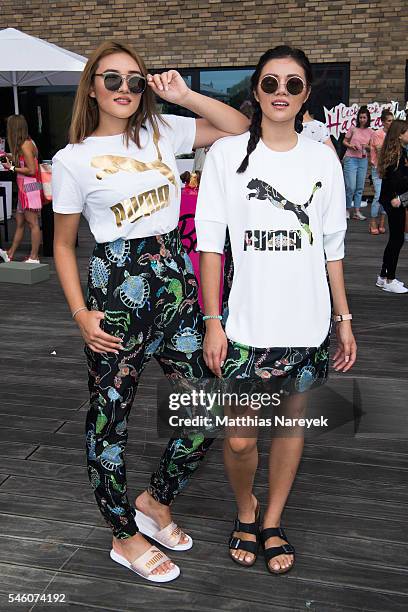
(341,118)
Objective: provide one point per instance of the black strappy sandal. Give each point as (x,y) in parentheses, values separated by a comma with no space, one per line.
(275,551)
(246,545)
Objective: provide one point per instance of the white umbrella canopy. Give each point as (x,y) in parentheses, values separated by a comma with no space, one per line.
(27,60)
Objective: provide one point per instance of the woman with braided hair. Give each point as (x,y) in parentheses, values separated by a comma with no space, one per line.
(281,196)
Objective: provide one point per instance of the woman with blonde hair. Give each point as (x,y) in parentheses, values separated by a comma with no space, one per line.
(24,162)
(120,171)
(393,169)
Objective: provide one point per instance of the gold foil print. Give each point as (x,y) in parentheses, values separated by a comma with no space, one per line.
(143,205)
(119,213)
(111,164)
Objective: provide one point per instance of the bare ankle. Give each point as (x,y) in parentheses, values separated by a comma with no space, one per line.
(247,508)
(143,497)
(118,544)
(147,504)
(271,520)
(123,543)
(147,499)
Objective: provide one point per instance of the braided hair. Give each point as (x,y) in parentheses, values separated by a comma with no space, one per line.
(255,133)
(255,129)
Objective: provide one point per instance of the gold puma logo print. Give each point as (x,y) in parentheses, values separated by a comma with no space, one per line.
(154,560)
(142,205)
(111,164)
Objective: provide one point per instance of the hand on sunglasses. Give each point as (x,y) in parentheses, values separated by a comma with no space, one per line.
(168,85)
(113,81)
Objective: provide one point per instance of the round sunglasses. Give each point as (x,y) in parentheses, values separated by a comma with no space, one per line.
(113,81)
(294,85)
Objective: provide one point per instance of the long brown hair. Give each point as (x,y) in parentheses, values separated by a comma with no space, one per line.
(17,134)
(85,115)
(392,149)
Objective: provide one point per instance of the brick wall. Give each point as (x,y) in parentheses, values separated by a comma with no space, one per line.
(372,35)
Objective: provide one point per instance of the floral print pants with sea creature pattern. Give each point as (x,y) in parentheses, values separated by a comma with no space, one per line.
(148,292)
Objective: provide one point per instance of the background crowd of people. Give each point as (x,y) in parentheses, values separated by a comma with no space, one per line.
(386,151)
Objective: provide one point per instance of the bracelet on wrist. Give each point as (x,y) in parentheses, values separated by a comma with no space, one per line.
(206,317)
(78,310)
(342,317)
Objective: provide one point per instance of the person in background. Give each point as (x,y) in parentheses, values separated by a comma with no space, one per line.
(2,135)
(393,169)
(24,162)
(185,177)
(406,212)
(355,162)
(406,227)
(316,130)
(375,147)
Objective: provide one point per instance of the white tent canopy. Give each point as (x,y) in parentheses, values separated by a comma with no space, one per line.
(26,60)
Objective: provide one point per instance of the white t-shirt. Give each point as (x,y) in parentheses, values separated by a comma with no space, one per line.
(316,130)
(286,214)
(124,192)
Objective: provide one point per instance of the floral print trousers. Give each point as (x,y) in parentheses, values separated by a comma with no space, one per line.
(148,292)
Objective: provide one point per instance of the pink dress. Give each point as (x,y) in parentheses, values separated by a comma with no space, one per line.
(30,192)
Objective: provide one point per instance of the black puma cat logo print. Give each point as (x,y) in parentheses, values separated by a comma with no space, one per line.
(263,191)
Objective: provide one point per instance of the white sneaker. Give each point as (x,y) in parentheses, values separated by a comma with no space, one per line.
(357,215)
(381,281)
(4,256)
(347,214)
(29,260)
(395,287)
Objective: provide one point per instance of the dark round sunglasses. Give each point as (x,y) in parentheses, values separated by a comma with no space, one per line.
(294,85)
(113,81)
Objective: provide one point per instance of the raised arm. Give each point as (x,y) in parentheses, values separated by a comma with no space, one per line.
(217,119)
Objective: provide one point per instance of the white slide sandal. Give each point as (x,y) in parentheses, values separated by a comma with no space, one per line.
(169,536)
(146,563)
